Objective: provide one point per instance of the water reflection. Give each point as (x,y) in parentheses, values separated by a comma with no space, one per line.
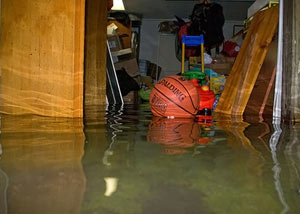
(41,169)
(3,191)
(285,154)
(111,185)
(123,160)
(179,135)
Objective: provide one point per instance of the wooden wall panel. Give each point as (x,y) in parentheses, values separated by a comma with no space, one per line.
(264,85)
(95,52)
(41,53)
(245,70)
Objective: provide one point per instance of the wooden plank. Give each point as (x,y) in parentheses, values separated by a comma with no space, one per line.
(79,57)
(121,52)
(41,53)
(245,70)
(264,84)
(95,52)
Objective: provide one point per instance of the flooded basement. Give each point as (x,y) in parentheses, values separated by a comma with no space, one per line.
(125,161)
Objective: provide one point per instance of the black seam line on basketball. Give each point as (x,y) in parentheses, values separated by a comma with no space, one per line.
(158,112)
(173,102)
(185,89)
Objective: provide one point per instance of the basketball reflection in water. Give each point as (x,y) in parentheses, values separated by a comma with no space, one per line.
(178,135)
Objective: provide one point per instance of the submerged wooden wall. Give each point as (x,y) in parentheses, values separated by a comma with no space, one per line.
(95,52)
(41,54)
(291,61)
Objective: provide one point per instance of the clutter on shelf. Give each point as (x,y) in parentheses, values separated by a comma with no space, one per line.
(124,54)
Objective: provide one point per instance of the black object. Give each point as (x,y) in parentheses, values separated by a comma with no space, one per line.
(205,112)
(179,21)
(208,19)
(126,82)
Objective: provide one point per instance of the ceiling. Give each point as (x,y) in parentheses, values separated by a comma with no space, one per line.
(166,9)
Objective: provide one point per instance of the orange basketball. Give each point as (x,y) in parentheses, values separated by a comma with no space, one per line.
(174,96)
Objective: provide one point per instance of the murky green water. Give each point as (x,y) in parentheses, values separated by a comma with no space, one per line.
(132,163)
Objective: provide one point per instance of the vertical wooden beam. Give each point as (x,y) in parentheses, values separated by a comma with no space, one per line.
(41,54)
(95,52)
(79,57)
(291,61)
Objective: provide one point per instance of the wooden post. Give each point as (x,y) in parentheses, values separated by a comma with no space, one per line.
(41,54)
(95,52)
(291,61)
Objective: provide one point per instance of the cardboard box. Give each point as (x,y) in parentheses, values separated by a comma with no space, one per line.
(130,66)
(112,29)
(122,55)
(227,59)
(124,32)
(131,98)
(114,42)
(221,68)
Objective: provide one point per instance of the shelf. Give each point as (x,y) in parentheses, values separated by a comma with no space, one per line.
(121,52)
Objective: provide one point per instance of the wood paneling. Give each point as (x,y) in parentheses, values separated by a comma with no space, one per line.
(291,61)
(41,46)
(264,86)
(245,70)
(95,52)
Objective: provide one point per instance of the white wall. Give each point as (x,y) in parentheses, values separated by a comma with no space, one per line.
(160,48)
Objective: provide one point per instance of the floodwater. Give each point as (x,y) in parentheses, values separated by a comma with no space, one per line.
(124,161)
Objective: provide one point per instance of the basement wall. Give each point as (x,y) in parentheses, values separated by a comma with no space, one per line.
(160,48)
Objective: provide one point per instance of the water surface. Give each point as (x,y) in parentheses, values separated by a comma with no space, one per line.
(125,161)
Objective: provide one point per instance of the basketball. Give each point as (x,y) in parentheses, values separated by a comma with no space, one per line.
(174,96)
